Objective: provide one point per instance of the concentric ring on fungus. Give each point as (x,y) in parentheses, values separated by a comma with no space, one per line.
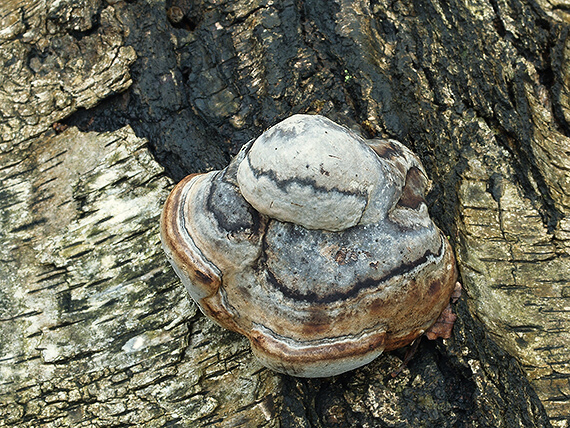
(313,243)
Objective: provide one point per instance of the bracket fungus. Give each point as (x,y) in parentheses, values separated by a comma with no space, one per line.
(313,243)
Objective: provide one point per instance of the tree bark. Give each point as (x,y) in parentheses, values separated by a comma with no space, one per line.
(104,105)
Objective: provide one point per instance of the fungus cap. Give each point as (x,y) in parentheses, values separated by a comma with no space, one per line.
(315,244)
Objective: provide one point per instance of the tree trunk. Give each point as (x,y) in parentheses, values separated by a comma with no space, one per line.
(104,104)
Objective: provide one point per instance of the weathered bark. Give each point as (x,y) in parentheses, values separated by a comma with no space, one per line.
(97,330)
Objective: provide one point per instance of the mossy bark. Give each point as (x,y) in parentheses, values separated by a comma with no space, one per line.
(96,330)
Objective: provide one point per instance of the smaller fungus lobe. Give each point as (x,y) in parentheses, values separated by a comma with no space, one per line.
(314,243)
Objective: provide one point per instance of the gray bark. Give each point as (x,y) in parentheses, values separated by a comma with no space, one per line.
(96,330)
